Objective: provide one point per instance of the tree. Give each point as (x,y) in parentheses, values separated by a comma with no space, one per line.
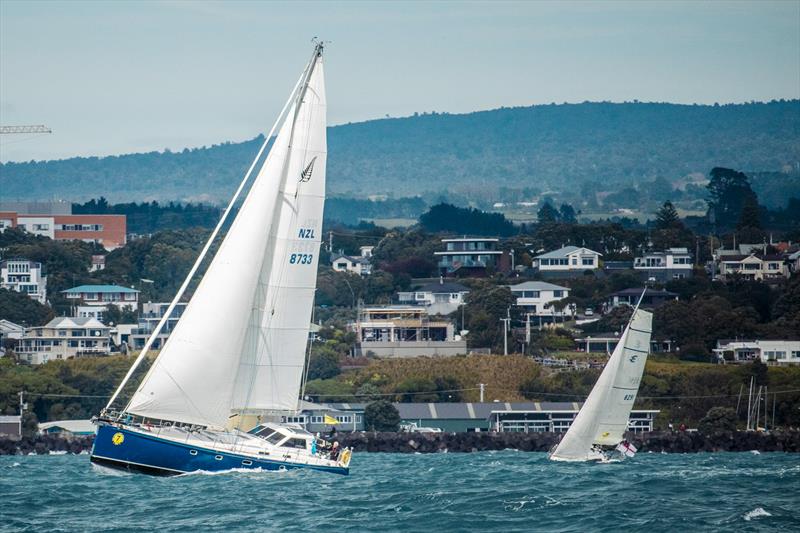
(718,419)
(667,217)
(20,308)
(466,220)
(417,390)
(381,416)
(323,363)
(547,214)
(728,191)
(486,305)
(567,214)
(750,216)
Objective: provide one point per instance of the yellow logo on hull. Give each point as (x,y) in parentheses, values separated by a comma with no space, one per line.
(117,439)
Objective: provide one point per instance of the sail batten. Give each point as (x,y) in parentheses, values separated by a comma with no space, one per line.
(242,336)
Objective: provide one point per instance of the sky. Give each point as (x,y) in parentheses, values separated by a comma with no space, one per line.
(120,77)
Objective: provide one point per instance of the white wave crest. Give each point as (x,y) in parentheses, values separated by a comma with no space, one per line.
(756,513)
(58,452)
(755,452)
(258,470)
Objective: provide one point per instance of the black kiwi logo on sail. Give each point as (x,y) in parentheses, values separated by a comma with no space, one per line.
(306,174)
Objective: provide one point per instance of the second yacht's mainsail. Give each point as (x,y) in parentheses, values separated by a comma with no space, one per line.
(241,341)
(603,418)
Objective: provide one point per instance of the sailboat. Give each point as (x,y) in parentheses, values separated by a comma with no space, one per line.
(237,356)
(597,433)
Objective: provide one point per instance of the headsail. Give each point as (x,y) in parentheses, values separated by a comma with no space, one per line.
(603,418)
(194,377)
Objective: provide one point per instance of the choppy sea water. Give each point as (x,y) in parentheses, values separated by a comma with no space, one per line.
(486,491)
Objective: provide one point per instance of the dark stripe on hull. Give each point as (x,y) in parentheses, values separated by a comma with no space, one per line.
(121,448)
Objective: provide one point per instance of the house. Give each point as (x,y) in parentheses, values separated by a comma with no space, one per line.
(673,263)
(538,297)
(10,333)
(11,426)
(652,298)
(102,295)
(24,276)
(106,230)
(568,259)
(606,342)
(64,338)
(404,331)
(793,262)
(440,298)
(755,266)
(151,315)
(67,428)
(317,417)
(778,352)
(98,263)
(468,256)
(356,264)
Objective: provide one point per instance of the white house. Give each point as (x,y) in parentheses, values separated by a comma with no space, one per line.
(755,267)
(151,315)
(64,338)
(568,258)
(102,295)
(468,255)
(537,298)
(673,263)
(24,276)
(356,264)
(440,298)
(775,352)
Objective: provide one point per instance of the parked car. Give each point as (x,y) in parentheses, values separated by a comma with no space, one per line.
(589,312)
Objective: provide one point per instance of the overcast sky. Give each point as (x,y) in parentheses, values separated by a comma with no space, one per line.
(119,77)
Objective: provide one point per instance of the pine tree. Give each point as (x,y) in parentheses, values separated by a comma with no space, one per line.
(548,214)
(667,217)
(750,216)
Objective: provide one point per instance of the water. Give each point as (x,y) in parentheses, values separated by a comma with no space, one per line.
(487,491)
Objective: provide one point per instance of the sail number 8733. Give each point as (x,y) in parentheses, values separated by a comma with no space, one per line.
(300,259)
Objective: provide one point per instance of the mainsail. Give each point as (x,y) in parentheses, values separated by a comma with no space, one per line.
(603,418)
(241,340)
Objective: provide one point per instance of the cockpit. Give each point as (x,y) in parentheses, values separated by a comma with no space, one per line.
(283,436)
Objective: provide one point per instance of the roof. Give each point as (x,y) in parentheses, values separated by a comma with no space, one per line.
(98,288)
(439,287)
(6,419)
(471,239)
(74,322)
(649,292)
(564,252)
(7,325)
(351,258)
(537,286)
(73,426)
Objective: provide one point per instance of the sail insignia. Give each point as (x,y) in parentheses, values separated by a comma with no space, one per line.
(305,176)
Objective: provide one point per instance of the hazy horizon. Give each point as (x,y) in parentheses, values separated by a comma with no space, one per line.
(123,77)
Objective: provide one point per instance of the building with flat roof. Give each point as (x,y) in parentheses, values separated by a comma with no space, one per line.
(539,297)
(439,298)
(607,341)
(11,426)
(652,298)
(468,256)
(27,277)
(67,428)
(777,352)
(64,338)
(404,331)
(103,295)
(666,265)
(151,315)
(108,231)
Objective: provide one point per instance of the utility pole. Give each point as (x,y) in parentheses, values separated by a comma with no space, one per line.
(22,404)
(506,323)
(483,387)
(330,242)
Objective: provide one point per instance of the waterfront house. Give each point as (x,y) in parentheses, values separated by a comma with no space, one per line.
(67,428)
(439,298)
(404,331)
(11,426)
(64,338)
(24,276)
(663,266)
(355,264)
(538,297)
(468,256)
(102,295)
(606,342)
(567,260)
(758,267)
(778,352)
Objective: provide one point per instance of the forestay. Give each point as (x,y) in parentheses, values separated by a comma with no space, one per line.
(243,333)
(603,418)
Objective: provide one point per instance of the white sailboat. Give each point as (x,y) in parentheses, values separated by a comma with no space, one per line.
(597,433)
(239,350)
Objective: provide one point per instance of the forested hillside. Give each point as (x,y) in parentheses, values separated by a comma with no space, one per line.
(546,146)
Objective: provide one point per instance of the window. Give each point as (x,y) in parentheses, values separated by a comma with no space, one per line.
(192,452)
(218,457)
(558,294)
(296,419)
(247,462)
(299,444)
(588,261)
(530,294)
(575,261)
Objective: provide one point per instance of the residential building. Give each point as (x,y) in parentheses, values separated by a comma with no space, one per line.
(468,256)
(151,315)
(754,266)
(404,331)
(68,428)
(606,342)
(349,263)
(440,298)
(312,417)
(24,276)
(106,230)
(538,297)
(10,331)
(98,263)
(652,298)
(779,352)
(567,259)
(11,426)
(366,251)
(528,417)
(103,295)
(64,338)
(91,311)
(793,262)
(673,263)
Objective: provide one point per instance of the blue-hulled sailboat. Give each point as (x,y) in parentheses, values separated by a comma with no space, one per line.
(237,356)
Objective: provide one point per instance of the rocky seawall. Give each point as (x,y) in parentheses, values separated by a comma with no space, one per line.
(669,442)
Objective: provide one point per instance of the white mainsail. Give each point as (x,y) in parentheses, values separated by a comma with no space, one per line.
(603,418)
(243,332)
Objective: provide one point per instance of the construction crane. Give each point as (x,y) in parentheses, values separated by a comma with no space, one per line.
(25,129)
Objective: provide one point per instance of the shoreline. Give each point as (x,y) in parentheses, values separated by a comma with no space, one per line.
(389,442)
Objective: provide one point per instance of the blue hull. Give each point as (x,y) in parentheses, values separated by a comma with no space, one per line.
(128,450)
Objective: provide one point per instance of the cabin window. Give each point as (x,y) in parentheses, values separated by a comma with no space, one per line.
(192,452)
(247,462)
(273,438)
(218,457)
(296,443)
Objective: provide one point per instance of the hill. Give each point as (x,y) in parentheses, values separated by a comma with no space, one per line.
(552,147)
